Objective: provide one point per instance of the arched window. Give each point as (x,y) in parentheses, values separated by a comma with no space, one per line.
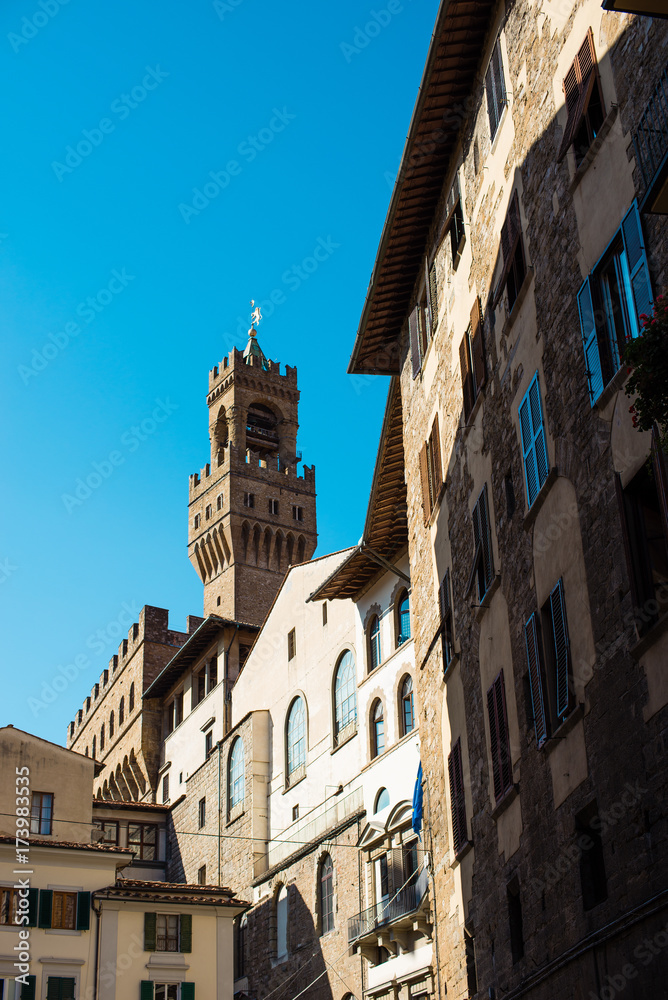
(377,729)
(236,774)
(345,695)
(94,747)
(111,725)
(407,710)
(326,895)
(382,800)
(131,706)
(87,754)
(102,736)
(374,642)
(296,733)
(282,924)
(404,621)
(121,711)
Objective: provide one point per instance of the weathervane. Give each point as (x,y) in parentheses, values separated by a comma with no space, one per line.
(256,316)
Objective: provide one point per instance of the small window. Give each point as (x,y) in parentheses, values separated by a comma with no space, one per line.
(377,729)
(407,706)
(324,612)
(240,925)
(111,724)
(297,513)
(382,800)
(514,262)
(502,768)
(102,737)
(41,813)
(447,630)
(584,102)
(64,910)
(197,521)
(201,875)
(167,932)
(454,223)
(515,921)
(94,748)
(472,365)
(58,988)
(143,839)
(219,502)
(534,445)
(236,774)
(292,644)
(273,506)
(208,512)
(212,674)
(326,895)
(249,500)
(483,563)
(295,812)
(201,813)
(132,697)
(374,643)
(296,738)
(457,798)
(121,711)
(199,686)
(471,971)
(495,87)
(431,473)
(404,619)
(165,788)
(9,908)
(208,743)
(109,830)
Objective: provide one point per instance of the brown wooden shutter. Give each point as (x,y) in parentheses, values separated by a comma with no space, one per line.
(579,83)
(431,320)
(498,732)
(436,455)
(433,295)
(414,336)
(424,476)
(477,347)
(467,377)
(623,520)
(511,231)
(457,799)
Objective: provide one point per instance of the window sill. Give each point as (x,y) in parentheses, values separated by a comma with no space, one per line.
(67,931)
(346,739)
(517,304)
(461,854)
(235,813)
(659,628)
(454,660)
(563,729)
(487,599)
(612,388)
(535,507)
(294,780)
(432,517)
(593,150)
(508,797)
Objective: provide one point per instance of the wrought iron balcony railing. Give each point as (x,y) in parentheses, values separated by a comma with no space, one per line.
(650,139)
(384,913)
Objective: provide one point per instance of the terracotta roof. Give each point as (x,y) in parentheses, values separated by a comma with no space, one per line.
(440,110)
(71,845)
(122,804)
(190,651)
(385,535)
(171,892)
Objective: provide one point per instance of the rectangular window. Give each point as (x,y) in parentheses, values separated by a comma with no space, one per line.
(514,261)
(60,988)
(593,879)
(273,506)
(201,813)
(471,972)
(167,932)
(483,562)
(109,830)
(454,223)
(431,471)
(165,991)
(515,921)
(64,910)
(324,612)
(472,360)
(208,512)
(208,743)
(249,499)
(292,644)
(41,814)
(178,709)
(102,736)
(199,686)
(213,673)
(201,875)
(165,788)
(420,321)
(295,812)
(297,513)
(534,445)
(196,521)
(143,839)
(502,769)
(9,906)
(445,601)
(610,302)
(219,502)
(495,88)
(457,800)
(584,102)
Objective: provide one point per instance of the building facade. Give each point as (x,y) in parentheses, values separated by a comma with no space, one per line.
(520,249)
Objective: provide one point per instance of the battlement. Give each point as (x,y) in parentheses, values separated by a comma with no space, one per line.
(220,375)
(235,459)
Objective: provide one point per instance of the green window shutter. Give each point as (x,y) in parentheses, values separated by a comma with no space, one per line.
(83,911)
(45,907)
(590,342)
(33,905)
(634,245)
(146,989)
(149,932)
(186,932)
(28,989)
(67,989)
(535,680)
(53,988)
(187,991)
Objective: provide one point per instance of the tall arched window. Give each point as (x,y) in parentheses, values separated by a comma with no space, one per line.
(407,710)
(102,736)
(132,697)
(374,642)
(326,895)
(377,729)
(404,618)
(94,747)
(236,774)
(121,711)
(282,924)
(111,725)
(345,694)
(296,737)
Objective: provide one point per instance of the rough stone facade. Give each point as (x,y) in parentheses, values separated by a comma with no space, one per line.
(525,868)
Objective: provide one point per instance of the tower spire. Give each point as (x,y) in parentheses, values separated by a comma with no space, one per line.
(253,354)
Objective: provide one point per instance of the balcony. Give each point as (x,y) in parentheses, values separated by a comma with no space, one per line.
(396,911)
(650,141)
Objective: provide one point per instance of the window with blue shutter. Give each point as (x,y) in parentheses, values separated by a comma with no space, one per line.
(611,300)
(534,447)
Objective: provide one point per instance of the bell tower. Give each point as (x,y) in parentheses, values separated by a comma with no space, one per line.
(250,516)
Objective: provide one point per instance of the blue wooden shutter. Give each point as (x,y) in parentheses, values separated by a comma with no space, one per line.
(634,246)
(83,911)
(534,446)
(28,989)
(560,632)
(535,680)
(590,342)
(187,991)
(146,990)
(45,907)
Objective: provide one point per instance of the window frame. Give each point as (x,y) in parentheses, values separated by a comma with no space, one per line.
(345,696)
(201,813)
(495,89)
(403,617)
(295,761)
(472,360)
(447,620)
(431,471)
(407,705)
(167,937)
(378,746)
(515,266)
(43,816)
(236,774)
(142,843)
(374,643)
(326,894)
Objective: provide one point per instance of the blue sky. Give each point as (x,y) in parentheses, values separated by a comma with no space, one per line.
(165,163)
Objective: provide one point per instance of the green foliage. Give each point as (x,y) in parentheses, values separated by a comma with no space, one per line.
(647,358)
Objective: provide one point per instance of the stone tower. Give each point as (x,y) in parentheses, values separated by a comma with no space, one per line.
(250,515)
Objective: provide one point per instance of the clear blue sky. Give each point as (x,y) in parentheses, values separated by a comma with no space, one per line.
(121,287)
